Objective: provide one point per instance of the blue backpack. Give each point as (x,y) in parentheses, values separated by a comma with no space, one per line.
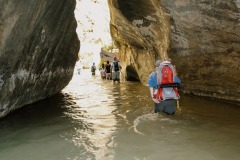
(116,66)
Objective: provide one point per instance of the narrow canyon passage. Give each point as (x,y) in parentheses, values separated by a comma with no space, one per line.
(94,119)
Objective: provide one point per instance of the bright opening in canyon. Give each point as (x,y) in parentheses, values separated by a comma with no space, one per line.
(93,30)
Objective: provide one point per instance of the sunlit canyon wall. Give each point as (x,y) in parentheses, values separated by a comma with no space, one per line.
(93,29)
(38,50)
(202,37)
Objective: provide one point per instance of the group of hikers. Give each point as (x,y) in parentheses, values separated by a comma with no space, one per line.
(163,83)
(109,71)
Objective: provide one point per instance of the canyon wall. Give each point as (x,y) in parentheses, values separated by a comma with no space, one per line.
(200,36)
(141,31)
(38,50)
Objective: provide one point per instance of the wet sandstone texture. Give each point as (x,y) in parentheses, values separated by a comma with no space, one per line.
(201,37)
(38,50)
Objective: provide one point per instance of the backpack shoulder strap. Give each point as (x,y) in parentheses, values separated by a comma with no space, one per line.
(159,74)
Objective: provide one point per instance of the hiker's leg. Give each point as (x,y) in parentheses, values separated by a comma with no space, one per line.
(158,107)
(169,107)
(118,76)
(114,76)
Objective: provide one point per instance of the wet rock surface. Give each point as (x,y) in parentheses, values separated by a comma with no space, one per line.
(201,37)
(38,50)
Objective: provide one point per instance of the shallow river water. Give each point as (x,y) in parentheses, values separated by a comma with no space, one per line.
(94,119)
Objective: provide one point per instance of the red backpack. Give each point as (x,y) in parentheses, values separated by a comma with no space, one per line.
(165,76)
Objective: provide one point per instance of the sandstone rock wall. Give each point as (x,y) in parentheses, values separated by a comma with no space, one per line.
(205,46)
(38,50)
(141,31)
(200,36)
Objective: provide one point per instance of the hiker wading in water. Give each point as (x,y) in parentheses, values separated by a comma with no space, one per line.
(108,71)
(93,68)
(163,85)
(116,67)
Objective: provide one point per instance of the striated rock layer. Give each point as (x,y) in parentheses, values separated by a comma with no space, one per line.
(38,50)
(141,31)
(202,37)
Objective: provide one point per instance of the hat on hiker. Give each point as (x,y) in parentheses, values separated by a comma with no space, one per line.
(165,62)
(158,62)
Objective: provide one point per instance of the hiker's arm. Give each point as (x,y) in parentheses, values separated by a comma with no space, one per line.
(151,93)
(151,83)
(120,67)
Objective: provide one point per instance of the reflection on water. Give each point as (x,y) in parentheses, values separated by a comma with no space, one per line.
(94,119)
(93,107)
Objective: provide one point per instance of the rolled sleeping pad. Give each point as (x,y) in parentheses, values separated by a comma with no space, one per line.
(178,85)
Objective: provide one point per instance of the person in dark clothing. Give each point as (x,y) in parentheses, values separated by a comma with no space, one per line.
(93,69)
(108,71)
